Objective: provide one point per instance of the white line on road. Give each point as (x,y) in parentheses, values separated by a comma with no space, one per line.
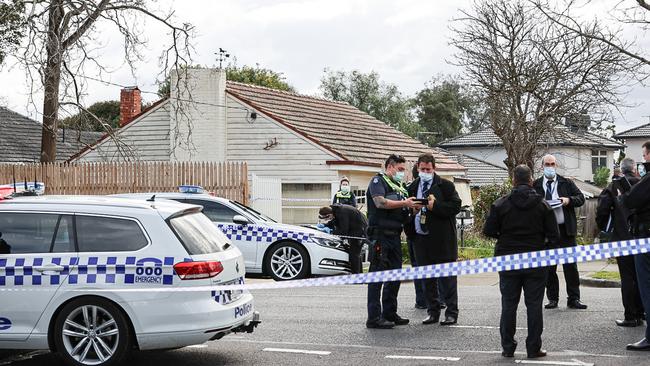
(573,362)
(304,351)
(479,327)
(430,358)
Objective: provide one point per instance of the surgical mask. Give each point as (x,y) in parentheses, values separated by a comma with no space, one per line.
(641,169)
(345,189)
(426,177)
(399,177)
(549,172)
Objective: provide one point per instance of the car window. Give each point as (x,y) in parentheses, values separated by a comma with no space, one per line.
(64,239)
(215,211)
(198,234)
(26,232)
(250,211)
(108,234)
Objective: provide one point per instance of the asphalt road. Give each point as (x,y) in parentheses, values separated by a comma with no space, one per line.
(326,326)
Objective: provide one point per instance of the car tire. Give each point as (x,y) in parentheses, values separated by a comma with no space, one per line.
(287,261)
(92,331)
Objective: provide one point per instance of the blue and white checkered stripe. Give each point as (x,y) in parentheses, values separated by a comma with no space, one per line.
(261,233)
(224,297)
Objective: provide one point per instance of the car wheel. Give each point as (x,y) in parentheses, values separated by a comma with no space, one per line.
(287,261)
(92,331)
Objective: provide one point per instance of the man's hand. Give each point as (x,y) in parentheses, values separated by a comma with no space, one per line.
(432,200)
(565,201)
(410,203)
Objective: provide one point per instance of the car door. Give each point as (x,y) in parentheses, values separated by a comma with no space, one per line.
(222,216)
(39,253)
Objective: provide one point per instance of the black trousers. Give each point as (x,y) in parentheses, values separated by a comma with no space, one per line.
(382,296)
(630,288)
(511,283)
(424,255)
(355,255)
(571,275)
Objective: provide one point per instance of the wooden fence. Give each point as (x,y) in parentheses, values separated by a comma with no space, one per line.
(225,179)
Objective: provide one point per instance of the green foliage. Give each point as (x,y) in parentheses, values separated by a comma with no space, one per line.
(486,196)
(601,177)
(607,275)
(258,76)
(108,111)
(12,25)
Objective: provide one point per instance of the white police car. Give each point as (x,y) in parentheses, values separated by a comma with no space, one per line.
(74,275)
(285,252)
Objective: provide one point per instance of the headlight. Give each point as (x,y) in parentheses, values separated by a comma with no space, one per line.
(330,243)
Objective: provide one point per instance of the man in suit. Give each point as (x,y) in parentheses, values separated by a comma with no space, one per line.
(433,230)
(557,189)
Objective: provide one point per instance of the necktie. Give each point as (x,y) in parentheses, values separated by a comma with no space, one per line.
(549,190)
(425,186)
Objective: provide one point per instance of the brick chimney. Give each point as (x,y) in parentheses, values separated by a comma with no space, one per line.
(130,104)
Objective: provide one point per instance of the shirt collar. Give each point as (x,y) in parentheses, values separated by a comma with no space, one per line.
(546,180)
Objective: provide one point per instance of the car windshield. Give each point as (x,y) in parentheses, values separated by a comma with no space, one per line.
(255,214)
(198,234)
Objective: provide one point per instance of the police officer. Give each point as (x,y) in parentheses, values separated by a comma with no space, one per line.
(347,221)
(638,198)
(344,195)
(388,208)
(522,222)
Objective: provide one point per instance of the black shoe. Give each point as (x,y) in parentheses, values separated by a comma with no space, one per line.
(576,304)
(538,354)
(431,319)
(552,304)
(449,320)
(642,345)
(419,306)
(380,324)
(398,320)
(507,354)
(443,305)
(629,322)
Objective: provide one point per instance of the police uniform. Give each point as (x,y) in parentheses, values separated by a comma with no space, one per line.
(385,228)
(345,198)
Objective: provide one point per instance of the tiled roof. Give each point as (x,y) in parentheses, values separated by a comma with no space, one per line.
(480,172)
(20,139)
(342,129)
(562,137)
(639,131)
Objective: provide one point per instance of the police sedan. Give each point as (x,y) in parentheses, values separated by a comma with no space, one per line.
(95,277)
(285,252)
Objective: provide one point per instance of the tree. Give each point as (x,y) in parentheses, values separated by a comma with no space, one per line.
(533,73)
(445,107)
(12,26)
(106,113)
(62,39)
(367,93)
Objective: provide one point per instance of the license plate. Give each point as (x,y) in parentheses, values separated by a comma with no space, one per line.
(243,310)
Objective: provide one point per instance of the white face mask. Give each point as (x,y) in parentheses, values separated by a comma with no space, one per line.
(426,177)
(345,189)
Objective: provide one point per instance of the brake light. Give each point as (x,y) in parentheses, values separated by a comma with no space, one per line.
(197,270)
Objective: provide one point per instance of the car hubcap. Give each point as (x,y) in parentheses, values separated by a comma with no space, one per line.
(286,262)
(90,335)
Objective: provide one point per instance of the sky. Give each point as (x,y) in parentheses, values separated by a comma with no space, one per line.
(406,42)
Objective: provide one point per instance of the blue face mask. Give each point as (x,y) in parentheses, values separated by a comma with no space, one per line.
(549,172)
(399,177)
(426,177)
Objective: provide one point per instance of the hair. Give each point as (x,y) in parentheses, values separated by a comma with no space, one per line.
(628,165)
(522,174)
(325,211)
(415,172)
(394,159)
(344,179)
(646,145)
(426,158)
(546,156)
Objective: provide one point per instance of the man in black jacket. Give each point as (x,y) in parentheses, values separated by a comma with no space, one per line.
(522,222)
(433,231)
(347,221)
(612,218)
(557,189)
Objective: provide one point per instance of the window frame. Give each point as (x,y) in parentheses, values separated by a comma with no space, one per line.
(598,154)
(56,227)
(142,229)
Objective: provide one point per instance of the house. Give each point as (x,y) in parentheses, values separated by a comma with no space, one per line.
(480,172)
(20,139)
(634,139)
(297,147)
(579,152)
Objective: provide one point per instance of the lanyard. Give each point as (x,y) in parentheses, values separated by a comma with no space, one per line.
(395,186)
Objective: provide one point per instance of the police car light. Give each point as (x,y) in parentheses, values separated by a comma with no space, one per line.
(197,270)
(190,189)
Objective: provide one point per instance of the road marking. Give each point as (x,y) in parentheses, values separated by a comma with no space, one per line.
(573,362)
(303,351)
(430,358)
(479,327)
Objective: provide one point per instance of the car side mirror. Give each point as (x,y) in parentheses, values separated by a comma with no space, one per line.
(240,220)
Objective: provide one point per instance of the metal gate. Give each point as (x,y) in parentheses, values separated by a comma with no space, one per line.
(266,196)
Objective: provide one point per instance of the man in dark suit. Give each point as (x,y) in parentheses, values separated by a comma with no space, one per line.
(564,196)
(347,221)
(433,231)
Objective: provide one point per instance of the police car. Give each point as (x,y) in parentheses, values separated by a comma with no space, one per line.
(95,277)
(285,252)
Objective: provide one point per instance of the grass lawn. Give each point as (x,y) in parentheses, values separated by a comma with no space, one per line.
(607,275)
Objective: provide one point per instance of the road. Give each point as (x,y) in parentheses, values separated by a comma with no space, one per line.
(326,326)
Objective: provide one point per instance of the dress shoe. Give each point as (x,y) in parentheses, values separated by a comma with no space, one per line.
(642,345)
(552,304)
(380,324)
(538,354)
(507,354)
(420,306)
(443,305)
(576,304)
(398,320)
(431,319)
(449,320)
(629,322)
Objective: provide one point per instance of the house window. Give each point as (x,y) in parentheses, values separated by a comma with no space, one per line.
(361,196)
(598,159)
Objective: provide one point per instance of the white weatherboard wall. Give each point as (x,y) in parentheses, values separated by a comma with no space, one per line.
(633,149)
(148,137)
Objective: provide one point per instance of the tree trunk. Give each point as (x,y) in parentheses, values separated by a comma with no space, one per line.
(51,80)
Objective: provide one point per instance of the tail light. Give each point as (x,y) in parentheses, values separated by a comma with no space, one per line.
(197,270)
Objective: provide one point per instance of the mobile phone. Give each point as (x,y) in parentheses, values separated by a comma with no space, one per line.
(422,201)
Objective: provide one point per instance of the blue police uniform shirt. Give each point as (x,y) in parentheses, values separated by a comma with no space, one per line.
(377,187)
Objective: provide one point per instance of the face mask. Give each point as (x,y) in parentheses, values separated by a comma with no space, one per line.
(426,177)
(549,172)
(345,189)
(399,177)
(641,169)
